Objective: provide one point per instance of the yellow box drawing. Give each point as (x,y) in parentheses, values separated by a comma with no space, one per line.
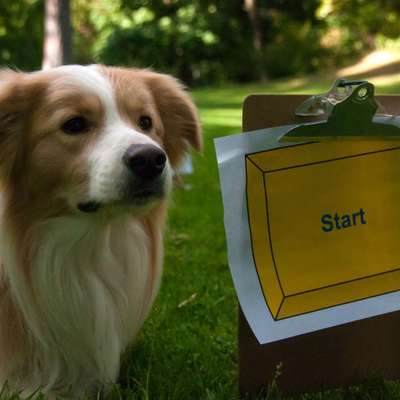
(325,223)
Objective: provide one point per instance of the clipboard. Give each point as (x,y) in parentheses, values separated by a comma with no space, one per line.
(339,356)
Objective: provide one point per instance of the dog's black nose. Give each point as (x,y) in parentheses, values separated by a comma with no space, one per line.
(145,160)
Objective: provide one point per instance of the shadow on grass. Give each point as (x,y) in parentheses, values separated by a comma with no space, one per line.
(372,389)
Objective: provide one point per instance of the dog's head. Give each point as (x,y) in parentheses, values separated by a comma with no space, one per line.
(78,139)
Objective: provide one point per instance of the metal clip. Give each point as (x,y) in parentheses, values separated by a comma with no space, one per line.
(350,107)
(321,104)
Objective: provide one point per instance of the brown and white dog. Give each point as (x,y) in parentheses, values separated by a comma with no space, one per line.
(86,160)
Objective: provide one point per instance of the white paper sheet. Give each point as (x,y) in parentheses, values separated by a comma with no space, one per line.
(231,151)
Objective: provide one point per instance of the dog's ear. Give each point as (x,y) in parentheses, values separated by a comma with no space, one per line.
(178,114)
(17,94)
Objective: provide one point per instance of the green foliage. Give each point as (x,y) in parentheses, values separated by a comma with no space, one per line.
(357,26)
(208,41)
(366,18)
(296,50)
(211,40)
(21,33)
(200,41)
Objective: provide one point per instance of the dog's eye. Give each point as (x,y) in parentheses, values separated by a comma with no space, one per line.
(75,126)
(145,122)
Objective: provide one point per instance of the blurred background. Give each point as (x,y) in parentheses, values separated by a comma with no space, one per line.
(203,42)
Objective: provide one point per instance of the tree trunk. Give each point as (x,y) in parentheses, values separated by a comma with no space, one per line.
(258,40)
(57,34)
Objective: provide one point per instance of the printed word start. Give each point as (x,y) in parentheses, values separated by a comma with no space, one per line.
(340,221)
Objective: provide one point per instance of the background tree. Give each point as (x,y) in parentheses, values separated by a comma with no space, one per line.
(57,34)
(258,39)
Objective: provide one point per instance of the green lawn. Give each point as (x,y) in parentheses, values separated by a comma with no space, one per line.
(187,349)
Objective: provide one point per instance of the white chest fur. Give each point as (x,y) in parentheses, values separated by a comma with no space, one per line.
(87,295)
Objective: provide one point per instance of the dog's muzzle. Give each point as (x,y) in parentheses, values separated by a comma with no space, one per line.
(144,178)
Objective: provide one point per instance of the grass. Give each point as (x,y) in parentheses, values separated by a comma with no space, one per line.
(187,348)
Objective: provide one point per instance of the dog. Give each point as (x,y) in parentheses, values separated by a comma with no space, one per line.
(87,155)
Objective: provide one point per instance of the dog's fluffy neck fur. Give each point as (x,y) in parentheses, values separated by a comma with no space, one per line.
(85,275)
(75,288)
